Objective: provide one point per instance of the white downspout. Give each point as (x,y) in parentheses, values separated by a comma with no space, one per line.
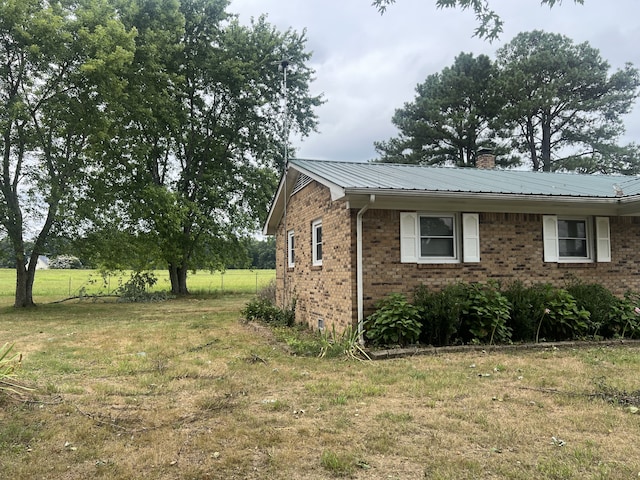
(359,279)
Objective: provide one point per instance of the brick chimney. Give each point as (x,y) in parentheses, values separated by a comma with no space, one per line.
(485,159)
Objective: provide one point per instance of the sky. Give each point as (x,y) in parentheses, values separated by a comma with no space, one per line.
(368,65)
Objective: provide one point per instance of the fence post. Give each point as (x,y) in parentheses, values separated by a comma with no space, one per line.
(221,281)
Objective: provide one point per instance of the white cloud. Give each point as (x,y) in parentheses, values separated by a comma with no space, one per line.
(368,65)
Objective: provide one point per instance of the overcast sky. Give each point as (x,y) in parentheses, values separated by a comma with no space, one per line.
(368,65)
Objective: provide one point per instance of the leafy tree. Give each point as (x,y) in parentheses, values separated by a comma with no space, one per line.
(199,141)
(57,61)
(263,253)
(489,22)
(448,122)
(563,110)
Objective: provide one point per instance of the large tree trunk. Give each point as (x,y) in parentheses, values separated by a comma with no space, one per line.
(178,277)
(25,275)
(545,148)
(531,141)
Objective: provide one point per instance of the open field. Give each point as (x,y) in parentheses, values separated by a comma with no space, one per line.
(184,390)
(66,283)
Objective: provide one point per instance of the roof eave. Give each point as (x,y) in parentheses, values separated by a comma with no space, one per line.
(492,202)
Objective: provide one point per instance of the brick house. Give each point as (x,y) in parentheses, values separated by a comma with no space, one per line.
(347,234)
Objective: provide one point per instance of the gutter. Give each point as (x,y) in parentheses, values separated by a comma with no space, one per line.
(359,276)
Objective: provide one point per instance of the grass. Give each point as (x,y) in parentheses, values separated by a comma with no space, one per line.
(184,390)
(66,283)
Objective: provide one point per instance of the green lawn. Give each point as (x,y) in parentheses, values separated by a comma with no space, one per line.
(68,283)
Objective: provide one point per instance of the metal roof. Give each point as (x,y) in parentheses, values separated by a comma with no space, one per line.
(352,176)
(394,186)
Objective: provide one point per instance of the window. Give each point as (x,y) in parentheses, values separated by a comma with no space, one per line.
(439,238)
(291,249)
(572,239)
(316,242)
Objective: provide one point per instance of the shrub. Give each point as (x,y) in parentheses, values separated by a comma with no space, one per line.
(625,317)
(527,307)
(395,322)
(263,310)
(562,318)
(485,313)
(68,262)
(601,304)
(439,313)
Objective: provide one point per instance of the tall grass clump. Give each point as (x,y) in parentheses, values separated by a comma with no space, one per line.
(8,366)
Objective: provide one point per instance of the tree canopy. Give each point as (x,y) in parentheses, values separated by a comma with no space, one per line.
(562,106)
(489,22)
(202,142)
(150,128)
(448,122)
(544,102)
(59,64)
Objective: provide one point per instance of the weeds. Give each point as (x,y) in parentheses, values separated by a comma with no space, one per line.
(339,464)
(8,366)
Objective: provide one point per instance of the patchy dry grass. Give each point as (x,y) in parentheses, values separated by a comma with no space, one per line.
(183,390)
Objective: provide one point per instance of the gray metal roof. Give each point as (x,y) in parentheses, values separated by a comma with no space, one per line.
(386,176)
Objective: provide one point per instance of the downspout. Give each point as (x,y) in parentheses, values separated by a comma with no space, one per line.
(359,276)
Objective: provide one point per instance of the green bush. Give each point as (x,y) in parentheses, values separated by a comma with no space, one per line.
(527,307)
(395,322)
(624,320)
(485,313)
(610,316)
(562,318)
(262,310)
(598,301)
(440,313)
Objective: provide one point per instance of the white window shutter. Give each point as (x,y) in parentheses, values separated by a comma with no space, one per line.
(408,237)
(603,240)
(470,237)
(550,237)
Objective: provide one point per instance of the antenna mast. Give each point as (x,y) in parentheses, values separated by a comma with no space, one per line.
(284,64)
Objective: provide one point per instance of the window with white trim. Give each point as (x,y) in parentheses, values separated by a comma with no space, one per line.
(576,239)
(439,237)
(291,249)
(316,242)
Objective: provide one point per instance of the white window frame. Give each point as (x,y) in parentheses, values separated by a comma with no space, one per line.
(455,239)
(316,259)
(291,248)
(598,239)
(466,238)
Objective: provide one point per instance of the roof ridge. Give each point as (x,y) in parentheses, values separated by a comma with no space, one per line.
(626,178)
